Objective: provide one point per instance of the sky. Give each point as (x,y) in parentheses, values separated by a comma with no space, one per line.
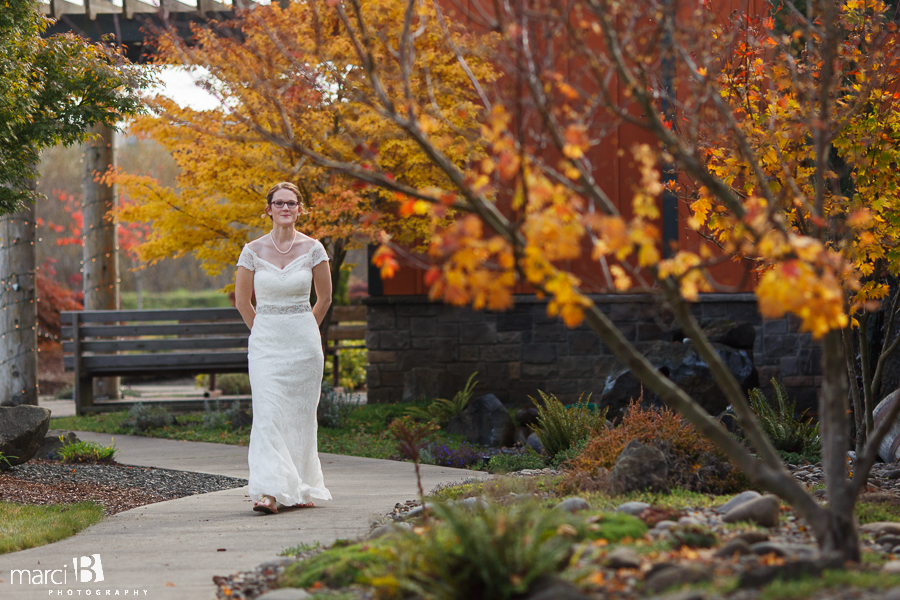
(180,87)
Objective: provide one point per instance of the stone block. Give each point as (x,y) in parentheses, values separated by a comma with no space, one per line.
(789,366)
(514,321)
(372,339)
(781,345)
(478,333)
(381,356)
(379,318)
(446,330)
(418,310)
(772,326)
(383,395)
(538,353)
(495,353)
(646,332)
(553,332)
(564,387)
(715,310)
(445,351)
(584,342)
(576,367)
(424,343)
(393,340)
(547,371)
(373,377)
(468,353)
(425,381)
(604,367)
(411,360)
(515,370)
(422,327)
(540,316)
(393,379)
(508,337)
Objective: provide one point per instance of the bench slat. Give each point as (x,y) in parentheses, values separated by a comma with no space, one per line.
(173,361)
(348,313)
(181,329)
(147,345)
(160,314)
(347,332)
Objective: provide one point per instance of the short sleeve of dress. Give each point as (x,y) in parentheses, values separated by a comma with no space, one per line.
(246,259)
(318,254)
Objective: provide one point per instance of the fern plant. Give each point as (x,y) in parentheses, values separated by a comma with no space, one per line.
(789,434)
(560,427)
(86,452)
(442,410)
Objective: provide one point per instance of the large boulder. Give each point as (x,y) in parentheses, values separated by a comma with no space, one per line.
(53,441)
(681,363)
(889,450)
(741,336)
(22,429)
(484,421)
(639,468)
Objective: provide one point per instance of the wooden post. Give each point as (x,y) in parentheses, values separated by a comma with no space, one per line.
(18,309)
(100,257)
(84,387)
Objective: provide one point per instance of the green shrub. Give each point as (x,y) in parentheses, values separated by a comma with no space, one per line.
(442,410)
(231,384)
(180,298)
(86,452)
(789,433)
(486,552)
(336,567)
(353,368)
(142,417)
(570,453)
(334,407)
(560,427)
(213,419)
(508,463)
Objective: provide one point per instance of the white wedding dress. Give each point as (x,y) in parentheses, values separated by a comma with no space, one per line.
(286,364)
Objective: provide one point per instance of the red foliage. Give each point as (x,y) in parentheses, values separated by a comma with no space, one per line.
(53,297)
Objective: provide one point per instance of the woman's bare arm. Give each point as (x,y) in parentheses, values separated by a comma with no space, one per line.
(243,291)
(322,281)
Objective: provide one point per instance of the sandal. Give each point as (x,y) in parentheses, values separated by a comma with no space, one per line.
(267,506)
(305,505)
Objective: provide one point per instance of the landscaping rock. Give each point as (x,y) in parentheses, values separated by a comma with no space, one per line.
(735,546)
(52,442)
(741,336)
(286,594)
(553,588)
(484,421)
(760,576)
(22,430)
(534,443)
(665,525)
(690,522)
(623,557)
(389,528)
(527,416)
(573,505)
(798,551)
(763,511)
(639,468)
(662,579)
(737,501)
(417,511)
(892,594)
(681,363)
(633,508)
(753,537)
(889,541)
(473,502)
(881,528)
(685,595)
(892,566)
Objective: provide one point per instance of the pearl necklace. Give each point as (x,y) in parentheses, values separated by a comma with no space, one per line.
(294,237)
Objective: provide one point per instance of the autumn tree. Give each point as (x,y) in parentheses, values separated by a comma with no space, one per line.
(52,90)
(775,126)
(292,74)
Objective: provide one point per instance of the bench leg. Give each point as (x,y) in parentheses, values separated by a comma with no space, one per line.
(84,394)
(336,368)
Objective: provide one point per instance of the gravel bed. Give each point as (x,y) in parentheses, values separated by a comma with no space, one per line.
(117,487)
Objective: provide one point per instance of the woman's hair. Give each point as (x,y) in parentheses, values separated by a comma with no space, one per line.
(285,185)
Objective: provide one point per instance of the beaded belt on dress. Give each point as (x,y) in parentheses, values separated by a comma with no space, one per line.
(279,309)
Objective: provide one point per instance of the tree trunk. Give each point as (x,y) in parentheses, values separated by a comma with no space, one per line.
(18,309)
(100,256)
(842,536)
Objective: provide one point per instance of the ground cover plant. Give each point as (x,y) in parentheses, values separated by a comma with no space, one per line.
(27,526)
(561,427)
(794,436)
(86,452)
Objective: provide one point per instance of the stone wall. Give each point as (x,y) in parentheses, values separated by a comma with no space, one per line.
(417,347)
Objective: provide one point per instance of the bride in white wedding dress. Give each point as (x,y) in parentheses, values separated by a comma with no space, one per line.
(285,355)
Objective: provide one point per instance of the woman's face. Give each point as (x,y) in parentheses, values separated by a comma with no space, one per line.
(286,215)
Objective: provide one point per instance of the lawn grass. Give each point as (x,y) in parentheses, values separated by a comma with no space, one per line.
(806,587)
(25,526)
(364,432)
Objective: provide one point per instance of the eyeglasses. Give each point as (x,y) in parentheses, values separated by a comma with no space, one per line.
(281,204)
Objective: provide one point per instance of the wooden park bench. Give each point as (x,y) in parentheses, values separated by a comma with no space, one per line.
(171,342)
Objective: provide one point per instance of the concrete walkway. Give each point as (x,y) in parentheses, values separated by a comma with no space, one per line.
(171,550)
